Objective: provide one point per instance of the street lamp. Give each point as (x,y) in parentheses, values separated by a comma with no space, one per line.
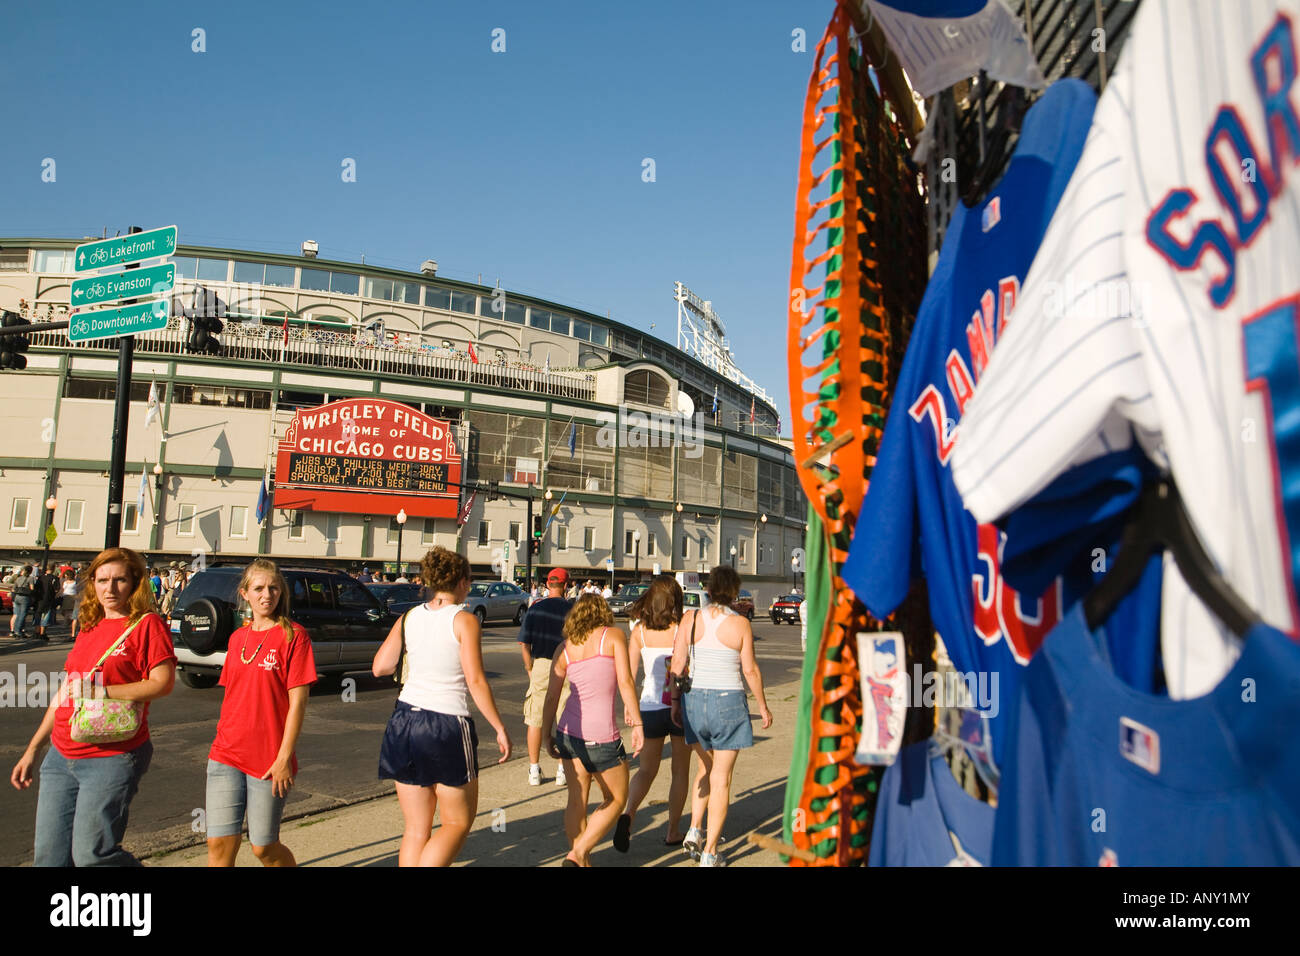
(733,556)
(50,504)
(401,522)
(636,550)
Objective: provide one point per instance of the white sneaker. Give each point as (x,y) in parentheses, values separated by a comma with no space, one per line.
(711,859)
(560,779)
(693,843)
(535,775)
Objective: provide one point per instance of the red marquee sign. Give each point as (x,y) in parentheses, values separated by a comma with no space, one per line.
(368,456)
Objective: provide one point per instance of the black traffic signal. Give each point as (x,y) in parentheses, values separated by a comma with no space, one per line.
(537,526)
(494,490)
(536,545)
(12,346)
(205,322)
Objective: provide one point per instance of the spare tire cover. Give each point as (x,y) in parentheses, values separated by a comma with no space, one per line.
(205,625)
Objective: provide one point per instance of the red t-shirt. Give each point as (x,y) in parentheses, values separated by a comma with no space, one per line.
(145,648)
(256,707)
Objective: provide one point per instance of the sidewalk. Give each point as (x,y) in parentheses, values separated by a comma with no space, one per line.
(519,825)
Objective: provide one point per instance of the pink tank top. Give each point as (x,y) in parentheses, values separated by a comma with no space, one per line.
(593,683)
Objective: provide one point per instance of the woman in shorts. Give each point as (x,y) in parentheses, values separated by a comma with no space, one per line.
(430,745)
(718,645)
(656,614)
(268,675)
(594,660)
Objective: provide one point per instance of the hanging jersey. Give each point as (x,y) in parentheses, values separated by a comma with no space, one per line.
(1101,774)
(925,818)
(1165,302)
(913,515)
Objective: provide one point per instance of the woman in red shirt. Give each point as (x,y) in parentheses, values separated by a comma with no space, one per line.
(268,674)
(86,789)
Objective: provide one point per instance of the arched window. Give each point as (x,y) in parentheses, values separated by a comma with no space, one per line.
(645,387)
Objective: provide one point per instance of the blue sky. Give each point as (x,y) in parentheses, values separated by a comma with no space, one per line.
(524,166)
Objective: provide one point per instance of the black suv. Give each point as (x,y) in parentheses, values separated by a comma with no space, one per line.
(346,622)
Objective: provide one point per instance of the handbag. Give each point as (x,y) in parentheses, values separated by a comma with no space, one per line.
(104,720)
(404,663)
(682,684)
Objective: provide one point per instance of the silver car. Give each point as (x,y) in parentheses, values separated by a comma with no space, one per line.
(497,601)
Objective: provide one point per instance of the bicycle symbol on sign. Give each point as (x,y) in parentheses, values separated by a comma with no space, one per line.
(99,255)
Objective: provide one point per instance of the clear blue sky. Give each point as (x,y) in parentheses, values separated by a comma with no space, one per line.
(524,166)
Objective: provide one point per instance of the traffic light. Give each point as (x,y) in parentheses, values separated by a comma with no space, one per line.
(494,490)
(536,546)
(205,322)
(537,526)
(12,346)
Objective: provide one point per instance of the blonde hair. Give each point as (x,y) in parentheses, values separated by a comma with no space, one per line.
(91,612)
(588,613)
(281,610)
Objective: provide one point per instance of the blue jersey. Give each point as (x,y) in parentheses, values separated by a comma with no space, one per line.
(913,520)
(925,818)
(1101,774)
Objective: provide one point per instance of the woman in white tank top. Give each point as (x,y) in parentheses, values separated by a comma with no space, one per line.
(657,613)
(430,745)
(718,647)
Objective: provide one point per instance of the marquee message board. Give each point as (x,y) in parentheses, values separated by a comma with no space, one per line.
(368,456)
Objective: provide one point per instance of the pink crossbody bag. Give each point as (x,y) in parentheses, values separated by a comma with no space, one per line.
(103,720)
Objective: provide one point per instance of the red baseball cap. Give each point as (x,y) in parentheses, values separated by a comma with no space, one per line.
(558,576)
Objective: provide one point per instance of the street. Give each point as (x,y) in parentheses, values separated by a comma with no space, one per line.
(338,750)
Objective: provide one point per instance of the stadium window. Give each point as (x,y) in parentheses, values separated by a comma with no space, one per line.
(466,302)
(331,527)
(249,272)
(279,276)
(72,516)
(296,526)
(561,538)
(515,528)
(588,539)
(393,531)
(239,521)
(426,535)
(483,529)
(436,297)
(514,313)
(560,323)
(130,518)
(18,514)
(344,283)
(185,521)
(686,547)
(212,270)
(54,260)
(315,280)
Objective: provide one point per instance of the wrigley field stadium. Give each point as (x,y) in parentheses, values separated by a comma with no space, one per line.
(355,416)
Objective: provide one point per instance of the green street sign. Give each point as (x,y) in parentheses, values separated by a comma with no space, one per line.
(50,534)
(105,253)
(125,320)
(132,284)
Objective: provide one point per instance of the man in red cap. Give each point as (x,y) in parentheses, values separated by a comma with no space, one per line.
(540,635)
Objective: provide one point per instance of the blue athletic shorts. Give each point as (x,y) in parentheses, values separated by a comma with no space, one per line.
(717,719)
(424,748)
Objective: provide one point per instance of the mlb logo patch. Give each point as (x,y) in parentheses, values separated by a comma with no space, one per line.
(992,213)
(884,657)
(1139,744)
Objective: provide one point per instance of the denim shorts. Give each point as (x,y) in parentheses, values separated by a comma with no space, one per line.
(231,792)
(593,756)
(717,719)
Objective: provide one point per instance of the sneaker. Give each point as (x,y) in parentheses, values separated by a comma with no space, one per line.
(693,843)
(534,775)
(560,779)
(711,859)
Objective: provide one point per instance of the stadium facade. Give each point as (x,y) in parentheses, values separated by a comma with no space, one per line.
(622,429)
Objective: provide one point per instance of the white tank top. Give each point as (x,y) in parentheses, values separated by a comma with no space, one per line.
(654,661)
(436,680)
(717,666)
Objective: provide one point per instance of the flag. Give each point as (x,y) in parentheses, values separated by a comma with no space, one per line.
(555,510)
(286,329)
(464,512)
(144,488)
(751,411)
(473,355)
(152,411)
(573,437)
(547,367)
(263,502)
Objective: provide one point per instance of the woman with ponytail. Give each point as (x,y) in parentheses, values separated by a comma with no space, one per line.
(268,674)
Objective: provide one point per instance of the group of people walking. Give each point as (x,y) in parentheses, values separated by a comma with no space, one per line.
(41,593)
(579,664)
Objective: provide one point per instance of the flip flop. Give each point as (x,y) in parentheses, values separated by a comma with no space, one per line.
(677,842)
(568,862)
(623,833)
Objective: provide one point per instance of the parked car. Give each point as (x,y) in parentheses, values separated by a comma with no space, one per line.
(346,622)
(497,601)
(785,609)
(744,605)
(625,595)
(694,599)
(398,598)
